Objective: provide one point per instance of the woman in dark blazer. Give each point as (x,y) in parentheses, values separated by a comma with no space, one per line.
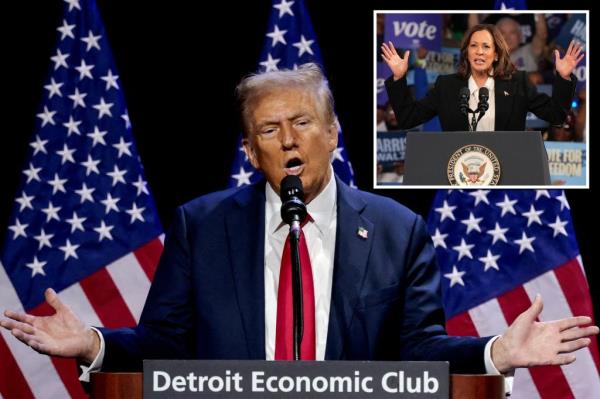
(484,61)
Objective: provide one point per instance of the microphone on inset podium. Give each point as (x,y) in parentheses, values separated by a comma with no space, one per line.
(484,95)
(293,210)
(463,102)
(482,106)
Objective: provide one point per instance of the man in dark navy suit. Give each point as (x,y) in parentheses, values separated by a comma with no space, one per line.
(376,287)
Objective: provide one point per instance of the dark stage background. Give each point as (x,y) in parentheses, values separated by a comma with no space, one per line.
(179,62)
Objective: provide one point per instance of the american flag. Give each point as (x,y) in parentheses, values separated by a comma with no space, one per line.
(290,41)
(496,250)
(84,221)
(510,5)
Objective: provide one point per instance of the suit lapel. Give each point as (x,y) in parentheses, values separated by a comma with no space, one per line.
(504,96)
(245,234)
(352,246)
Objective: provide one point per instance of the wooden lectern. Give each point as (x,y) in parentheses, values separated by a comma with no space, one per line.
(116,385)
(129,386)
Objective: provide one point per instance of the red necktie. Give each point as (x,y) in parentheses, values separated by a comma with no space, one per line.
(284,337)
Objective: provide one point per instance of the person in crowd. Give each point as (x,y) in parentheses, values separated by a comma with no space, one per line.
(525,56)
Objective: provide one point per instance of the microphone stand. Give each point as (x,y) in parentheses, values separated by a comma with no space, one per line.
(466,111)
(481,108)
(473,124)
(296,288)
(474,121)
(293,211)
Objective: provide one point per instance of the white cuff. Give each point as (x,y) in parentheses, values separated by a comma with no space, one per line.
(490,367)
(97,363)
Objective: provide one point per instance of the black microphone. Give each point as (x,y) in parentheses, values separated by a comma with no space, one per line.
(293,210)
(482,106)
(463,103)
(484,95)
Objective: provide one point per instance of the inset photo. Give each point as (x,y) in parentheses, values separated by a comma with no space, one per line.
(481,98)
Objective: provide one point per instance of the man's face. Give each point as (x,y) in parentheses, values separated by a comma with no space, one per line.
(289,137)
(511,30)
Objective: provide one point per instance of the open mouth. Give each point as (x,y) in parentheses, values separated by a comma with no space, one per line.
(294,166)
(479,61)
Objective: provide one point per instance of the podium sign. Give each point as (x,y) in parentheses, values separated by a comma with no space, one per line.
(274,379)
(468,158)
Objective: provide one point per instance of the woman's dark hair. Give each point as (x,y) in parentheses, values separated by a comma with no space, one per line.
(503,67)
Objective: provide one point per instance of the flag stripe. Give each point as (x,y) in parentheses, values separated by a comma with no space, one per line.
(12,382)
(489,320)
(575,289)
(66,368)
(549,380)
(75,298)
(108,304)
(513,303)
(69,374)
(132,282)
(149,254)
(8,296)
(523,386)
(41,376)
(461,325)
(581,375)
(38,370)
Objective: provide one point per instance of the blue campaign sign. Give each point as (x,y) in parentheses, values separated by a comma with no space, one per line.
(555,24)
(411,31)
(391,147)
(568,162)
(443,62)
(438,63)
(580,73)
(574,29)
(383,72)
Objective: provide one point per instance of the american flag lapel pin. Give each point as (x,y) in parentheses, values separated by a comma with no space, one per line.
(362,233)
